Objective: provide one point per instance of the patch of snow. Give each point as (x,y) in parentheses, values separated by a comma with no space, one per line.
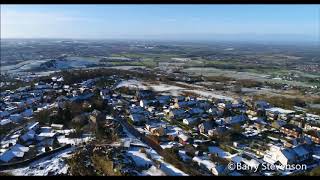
(153,171)
(52,165)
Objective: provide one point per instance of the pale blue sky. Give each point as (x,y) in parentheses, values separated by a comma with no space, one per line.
(159,21)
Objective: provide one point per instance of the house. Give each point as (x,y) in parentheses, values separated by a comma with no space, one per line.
(238,119)
(4,114)
(16,151)
(33,126)
(278,124)
(46,135)
(144,94)
(298,121)
(27,113)
(94,116)
(291,130)
(276,112)
(30,135)
(185,104)
(145,103)
(57,126)
(183,138)
(205,162)
(206,126)
(4,122)
(313,135)
(287,156)
(155,130)
(177,114)
(15,118)
(137,119)
(164,100)
(217,131)
(196,112)
(190,121)
(179,99)
(260,104)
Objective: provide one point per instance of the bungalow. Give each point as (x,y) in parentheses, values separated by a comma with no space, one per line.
(16,151)
(291,130)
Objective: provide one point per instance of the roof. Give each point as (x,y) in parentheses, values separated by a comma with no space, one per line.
(292,127)
(280,110)
(46,134)
(5,121)
(28,136)
(300,150)
(15,151)
(289,154)
(216,150)
(183,136)
(32,125)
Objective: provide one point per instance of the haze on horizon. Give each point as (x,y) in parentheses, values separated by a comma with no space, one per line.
(163,22)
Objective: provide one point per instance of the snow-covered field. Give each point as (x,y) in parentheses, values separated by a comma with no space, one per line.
(173,90)
(52,165)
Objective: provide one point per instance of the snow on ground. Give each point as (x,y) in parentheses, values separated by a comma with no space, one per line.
(131,84)
(52,165)
(169,169)
(221,153)
(165,87)
(139,158)
(153,171)
(209,94)
(170,144)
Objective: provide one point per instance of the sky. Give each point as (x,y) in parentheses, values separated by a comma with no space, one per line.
(232,22)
